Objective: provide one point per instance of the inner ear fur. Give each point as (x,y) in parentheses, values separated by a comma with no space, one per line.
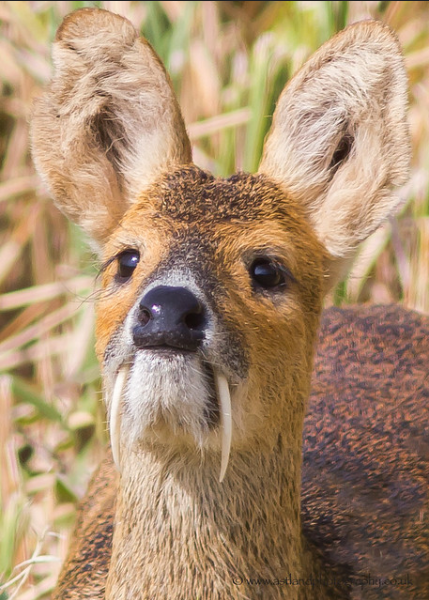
(109,122)
(339,140)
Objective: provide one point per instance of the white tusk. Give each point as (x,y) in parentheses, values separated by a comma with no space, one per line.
(224,398)
(115,415)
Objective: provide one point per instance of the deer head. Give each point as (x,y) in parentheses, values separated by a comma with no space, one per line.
(212,288)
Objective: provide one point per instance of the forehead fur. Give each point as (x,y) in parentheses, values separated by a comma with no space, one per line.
(189,195)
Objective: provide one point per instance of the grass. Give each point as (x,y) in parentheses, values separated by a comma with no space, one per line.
(234,58)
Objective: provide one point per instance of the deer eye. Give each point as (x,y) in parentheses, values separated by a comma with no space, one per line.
(267,274)
(127,262)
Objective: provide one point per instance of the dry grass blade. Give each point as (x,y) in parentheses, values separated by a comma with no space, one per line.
(216,124)
(43,293)
(18,187)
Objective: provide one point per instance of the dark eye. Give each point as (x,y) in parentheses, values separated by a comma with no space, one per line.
(267,274)
(127,262)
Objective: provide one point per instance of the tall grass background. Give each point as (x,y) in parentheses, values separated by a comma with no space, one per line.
(228,62)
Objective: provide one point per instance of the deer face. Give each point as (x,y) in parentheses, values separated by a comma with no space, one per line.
(207,276)
(212,288)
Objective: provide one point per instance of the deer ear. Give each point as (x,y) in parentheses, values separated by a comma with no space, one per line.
(108,124)
(339,139)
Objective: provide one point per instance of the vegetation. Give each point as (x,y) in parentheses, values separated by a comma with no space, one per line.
(228,62)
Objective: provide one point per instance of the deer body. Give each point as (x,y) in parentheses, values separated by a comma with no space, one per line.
(364,499)
(213,292)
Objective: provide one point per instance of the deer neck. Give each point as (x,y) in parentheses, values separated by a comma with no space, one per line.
(178,529)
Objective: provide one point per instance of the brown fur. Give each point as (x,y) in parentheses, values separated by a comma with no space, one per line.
(121,167)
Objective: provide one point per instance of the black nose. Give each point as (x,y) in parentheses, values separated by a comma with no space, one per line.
(170,316)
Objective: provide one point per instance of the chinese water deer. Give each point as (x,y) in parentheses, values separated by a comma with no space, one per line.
(212,294)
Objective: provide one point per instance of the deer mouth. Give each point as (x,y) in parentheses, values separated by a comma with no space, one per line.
(218,410)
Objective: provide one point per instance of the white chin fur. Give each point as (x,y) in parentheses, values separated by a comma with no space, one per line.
(175,395)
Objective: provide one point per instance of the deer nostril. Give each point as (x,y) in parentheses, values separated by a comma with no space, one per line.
(195,320)
(144,316)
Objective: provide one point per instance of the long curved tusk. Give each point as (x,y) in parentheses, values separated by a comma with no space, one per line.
(224,398)
(115,415)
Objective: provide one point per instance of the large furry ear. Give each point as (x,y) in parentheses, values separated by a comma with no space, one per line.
(108,123)
(339,139)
